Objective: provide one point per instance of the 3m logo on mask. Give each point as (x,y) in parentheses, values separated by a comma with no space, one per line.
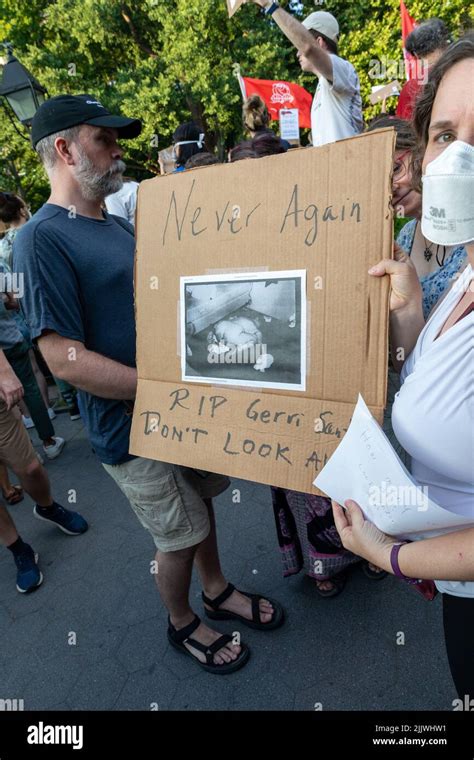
(438,212)
(448,188)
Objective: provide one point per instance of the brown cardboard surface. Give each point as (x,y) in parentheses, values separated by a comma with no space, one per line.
(251,435)
(323,210)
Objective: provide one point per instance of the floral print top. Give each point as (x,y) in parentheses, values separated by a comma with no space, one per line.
(436,283)
(6,247)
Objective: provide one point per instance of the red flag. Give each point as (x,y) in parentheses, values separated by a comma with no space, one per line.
(408,24)
(276,94)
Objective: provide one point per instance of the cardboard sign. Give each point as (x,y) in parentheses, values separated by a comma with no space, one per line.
(233,6)
(289,124)
(382,91)
(270,252)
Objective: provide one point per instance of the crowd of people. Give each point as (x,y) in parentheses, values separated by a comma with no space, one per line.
(77,318)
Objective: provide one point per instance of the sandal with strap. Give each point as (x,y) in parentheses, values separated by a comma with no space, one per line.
(216,614)
(338,584)
(178,639)
(15,495)
(374,575)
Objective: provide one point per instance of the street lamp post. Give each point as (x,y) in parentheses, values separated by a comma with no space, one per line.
(22,91)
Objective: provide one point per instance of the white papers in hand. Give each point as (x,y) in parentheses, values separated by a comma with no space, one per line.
(365,468)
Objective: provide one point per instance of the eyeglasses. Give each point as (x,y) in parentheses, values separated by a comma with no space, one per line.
(399,168)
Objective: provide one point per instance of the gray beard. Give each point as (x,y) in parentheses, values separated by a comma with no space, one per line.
(95,186)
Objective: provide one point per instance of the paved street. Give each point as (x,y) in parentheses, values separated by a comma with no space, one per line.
(341,653)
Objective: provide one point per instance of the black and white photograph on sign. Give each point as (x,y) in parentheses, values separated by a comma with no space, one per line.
(245,329)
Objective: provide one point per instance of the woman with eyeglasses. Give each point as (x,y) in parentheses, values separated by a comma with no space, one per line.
(436,265)
(443,266)
(433,413)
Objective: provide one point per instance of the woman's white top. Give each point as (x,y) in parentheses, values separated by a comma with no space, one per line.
(433,413)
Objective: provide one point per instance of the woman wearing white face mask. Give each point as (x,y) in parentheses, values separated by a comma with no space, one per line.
(188,139)
(433,413)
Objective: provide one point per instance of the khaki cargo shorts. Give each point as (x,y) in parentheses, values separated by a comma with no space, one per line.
(168,499)
(16,450)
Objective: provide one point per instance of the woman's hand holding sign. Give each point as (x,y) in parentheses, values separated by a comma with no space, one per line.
(405,286)
(406,303)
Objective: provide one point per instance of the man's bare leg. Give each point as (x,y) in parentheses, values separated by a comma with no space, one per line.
(213,580)
(173,578)
(35,482)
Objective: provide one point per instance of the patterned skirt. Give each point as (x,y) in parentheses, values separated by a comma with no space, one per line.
(307,535)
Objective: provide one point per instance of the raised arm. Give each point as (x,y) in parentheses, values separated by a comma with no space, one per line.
(302,39)
(70,360)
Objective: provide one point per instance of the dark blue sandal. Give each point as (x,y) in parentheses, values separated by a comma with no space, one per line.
(216,614)
(178,639)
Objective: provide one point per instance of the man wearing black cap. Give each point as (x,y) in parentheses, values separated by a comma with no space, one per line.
(78,264)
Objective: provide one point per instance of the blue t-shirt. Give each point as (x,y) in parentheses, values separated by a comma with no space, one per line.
(78,282)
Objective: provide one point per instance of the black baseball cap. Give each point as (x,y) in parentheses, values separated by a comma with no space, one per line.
(65,111)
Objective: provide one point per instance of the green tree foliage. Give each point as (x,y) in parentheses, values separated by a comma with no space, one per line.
(167,61)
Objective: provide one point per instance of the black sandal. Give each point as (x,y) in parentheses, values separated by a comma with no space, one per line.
(338,584)
(375,575)
(217,614)
(178,638)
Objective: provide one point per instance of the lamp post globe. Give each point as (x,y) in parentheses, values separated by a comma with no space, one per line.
(19,87)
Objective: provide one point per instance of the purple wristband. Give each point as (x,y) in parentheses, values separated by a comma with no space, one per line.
(394,563)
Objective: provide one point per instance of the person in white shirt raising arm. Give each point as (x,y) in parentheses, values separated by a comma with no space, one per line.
(337,106)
